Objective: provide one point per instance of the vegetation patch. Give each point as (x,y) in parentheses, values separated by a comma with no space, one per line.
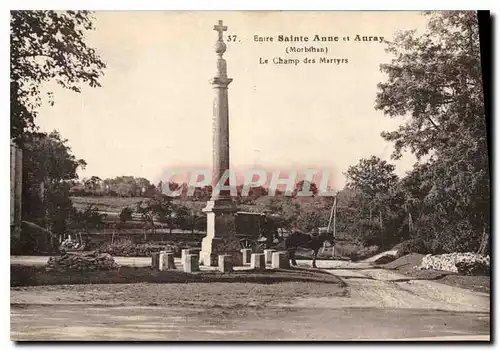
(127,248)
(32,276)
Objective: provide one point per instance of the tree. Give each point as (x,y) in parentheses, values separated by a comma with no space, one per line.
(160,207)
(126,214)
(300,186)
(47,46)
(93,184)
(308,220)
(89,218)
(147,216)
(435,80)
(374,182)
(285,206)
(49,167)
(371,176)
(182,216)
(59,209)
(128,186)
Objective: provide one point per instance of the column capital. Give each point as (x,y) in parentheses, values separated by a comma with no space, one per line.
(220,82)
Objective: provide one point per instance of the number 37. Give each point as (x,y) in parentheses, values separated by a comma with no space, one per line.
(231,38)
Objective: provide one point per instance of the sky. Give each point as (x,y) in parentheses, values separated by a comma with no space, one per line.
(153,112)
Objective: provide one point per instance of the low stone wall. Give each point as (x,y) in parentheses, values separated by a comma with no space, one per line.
(467,263)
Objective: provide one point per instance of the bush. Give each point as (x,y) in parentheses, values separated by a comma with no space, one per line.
(473,268)
(32,240)
(356,252)
(126,248)
(366,252)
(126,214)
(411,246)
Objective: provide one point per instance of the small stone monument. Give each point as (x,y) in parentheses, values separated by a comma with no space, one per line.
(184,253)
(280,260)
(191,263)
(166,261)
(258,261)
(155,259)
(225,263)
(246,255)
(269,255)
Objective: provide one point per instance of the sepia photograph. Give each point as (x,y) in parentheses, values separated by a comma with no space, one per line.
(250,176)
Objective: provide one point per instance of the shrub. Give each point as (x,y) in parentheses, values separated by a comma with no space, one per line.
(411,246)
(127,248)
(126,214)
(473,268)
(356,252)
(366,252)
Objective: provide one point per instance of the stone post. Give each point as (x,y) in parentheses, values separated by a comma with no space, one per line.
(184,253)
(225,263)
(258,261)
(191,263)
(280,260)
(246,255)
(166,261)
(269,255)
(155,260)
(220,210)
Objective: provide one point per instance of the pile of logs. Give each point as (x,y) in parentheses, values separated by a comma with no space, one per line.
(467,263)
(93,261)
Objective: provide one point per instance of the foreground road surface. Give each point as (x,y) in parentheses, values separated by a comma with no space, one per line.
(377,304)
(79,322)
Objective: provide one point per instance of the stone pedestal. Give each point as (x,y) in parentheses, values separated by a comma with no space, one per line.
(258,261)
(269,255)
(191,263)
(245,254)
(280,260)
(184,253)
(221,230)
(225,263)
(166,261)
(155,259)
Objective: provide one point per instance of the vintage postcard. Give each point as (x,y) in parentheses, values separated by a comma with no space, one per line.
(249,176)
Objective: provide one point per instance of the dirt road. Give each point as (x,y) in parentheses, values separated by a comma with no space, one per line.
(376,304)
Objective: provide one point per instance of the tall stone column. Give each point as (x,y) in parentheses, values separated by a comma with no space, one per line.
(220,210)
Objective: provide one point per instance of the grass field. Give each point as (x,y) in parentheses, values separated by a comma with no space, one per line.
(34,276)
(106,203)
(116,204)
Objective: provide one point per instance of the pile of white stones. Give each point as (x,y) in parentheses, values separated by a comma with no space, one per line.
(92,261)
(458,262)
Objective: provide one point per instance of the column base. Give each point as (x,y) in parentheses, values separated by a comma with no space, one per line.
(211,248)
(221,233)
(220,205)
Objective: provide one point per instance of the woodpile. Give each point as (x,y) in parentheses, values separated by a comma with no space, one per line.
(93,261)
(467,263)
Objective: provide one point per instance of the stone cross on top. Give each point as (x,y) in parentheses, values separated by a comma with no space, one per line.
(220,28)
